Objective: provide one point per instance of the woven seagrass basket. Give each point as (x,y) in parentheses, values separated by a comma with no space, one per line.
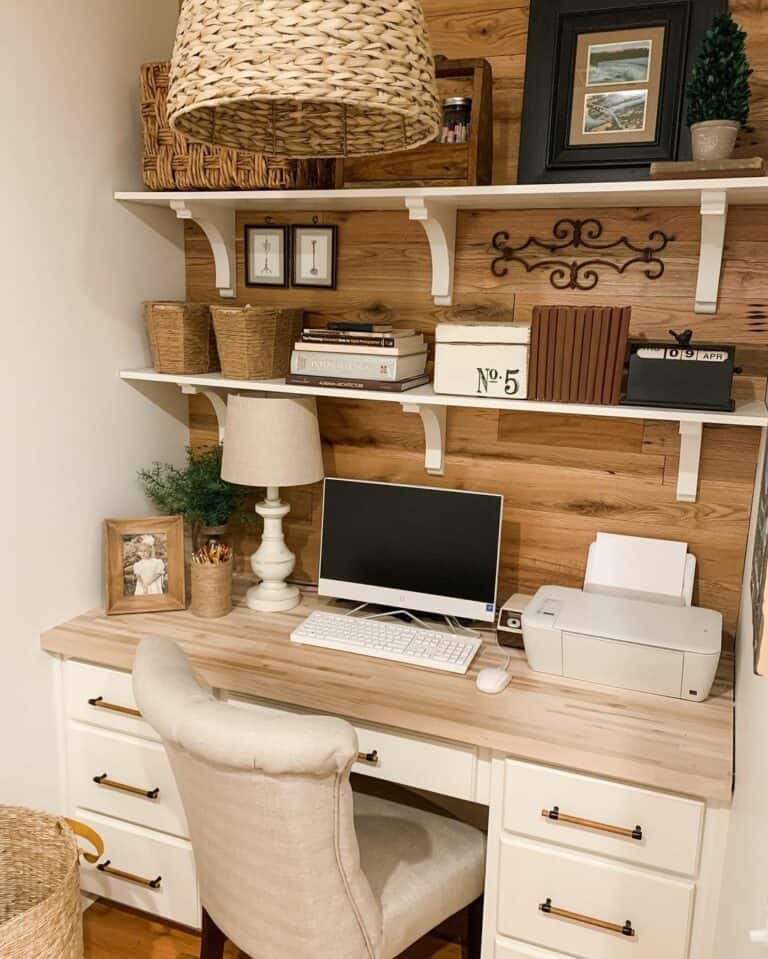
(173,162)
(181,337)
(255,342)
(40,911)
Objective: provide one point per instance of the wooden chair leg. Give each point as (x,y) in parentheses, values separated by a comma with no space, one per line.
(474,941)
(213,939)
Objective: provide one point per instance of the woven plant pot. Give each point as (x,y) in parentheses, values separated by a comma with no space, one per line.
(173,162)
(255,342)
(211,590)
(181,337)
(304,78)
(40,911)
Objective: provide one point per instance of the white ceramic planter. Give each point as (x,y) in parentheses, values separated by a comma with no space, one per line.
(714,139)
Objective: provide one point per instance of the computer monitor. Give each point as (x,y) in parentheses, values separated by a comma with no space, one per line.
(411,547)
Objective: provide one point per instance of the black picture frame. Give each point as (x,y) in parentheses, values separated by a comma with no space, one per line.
(251,230)
(554,27)
(331,229)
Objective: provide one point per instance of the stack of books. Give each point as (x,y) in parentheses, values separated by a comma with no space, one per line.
(360,356)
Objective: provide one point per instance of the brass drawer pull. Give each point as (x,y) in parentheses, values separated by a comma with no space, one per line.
(99,703)
(129,876)
(550,910)
(104,780)
(372,758)
(556,816)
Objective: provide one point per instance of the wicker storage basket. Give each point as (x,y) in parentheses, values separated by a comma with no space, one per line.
(172,162)
(211,590)
(255,342)
(40,911)
(181,337)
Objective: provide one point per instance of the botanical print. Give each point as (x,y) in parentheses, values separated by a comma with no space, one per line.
(265,256)
(314,256)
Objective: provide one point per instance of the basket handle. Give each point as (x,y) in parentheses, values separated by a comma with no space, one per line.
(85,832)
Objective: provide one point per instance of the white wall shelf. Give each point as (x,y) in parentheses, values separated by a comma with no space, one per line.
(432,408)
(436,209)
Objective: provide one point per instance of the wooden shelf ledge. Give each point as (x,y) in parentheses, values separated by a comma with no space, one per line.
(432,408)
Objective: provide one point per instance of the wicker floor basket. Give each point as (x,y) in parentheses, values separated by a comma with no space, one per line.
(181,337)
(40,911)
(255,342)
(172,162)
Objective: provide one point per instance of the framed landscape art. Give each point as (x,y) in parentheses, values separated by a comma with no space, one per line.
(605,88)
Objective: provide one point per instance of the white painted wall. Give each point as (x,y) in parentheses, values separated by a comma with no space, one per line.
(75,267)
(745,877)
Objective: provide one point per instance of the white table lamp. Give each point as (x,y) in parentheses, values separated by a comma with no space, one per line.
(272,441)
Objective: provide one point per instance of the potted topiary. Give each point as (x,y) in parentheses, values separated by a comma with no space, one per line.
(197,492)
(718,92)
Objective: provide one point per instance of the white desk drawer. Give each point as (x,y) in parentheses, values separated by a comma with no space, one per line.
(439,767)
(134,763)
(103,697)
(148,857)
(670,827)
(658,908)
(445,768)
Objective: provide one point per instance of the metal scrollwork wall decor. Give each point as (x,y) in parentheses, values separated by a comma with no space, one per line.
(580,235)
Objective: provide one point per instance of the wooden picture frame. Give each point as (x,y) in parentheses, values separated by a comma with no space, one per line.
(315,260)
(267,255)
(144,565)
(583,125)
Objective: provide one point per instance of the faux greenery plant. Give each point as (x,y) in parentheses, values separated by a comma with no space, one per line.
(197,492)
(719,84)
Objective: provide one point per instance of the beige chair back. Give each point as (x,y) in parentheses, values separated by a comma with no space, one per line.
(270,813)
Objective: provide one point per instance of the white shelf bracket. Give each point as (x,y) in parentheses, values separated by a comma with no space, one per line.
(714,219)
(690,459)
(439,222)
(434,419)
(217,401)
(218,224)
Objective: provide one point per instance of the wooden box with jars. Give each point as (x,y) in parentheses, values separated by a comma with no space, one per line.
(461,156)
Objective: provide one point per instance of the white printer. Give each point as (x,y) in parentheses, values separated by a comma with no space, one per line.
(632,625)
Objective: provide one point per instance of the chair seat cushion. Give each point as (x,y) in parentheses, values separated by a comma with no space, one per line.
(421,866)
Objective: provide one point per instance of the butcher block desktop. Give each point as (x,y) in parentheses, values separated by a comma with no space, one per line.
(638,738)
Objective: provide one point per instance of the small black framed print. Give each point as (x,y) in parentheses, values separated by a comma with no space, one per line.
(314,256)
(266,255)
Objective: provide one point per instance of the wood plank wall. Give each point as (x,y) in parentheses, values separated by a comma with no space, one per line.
(563,478)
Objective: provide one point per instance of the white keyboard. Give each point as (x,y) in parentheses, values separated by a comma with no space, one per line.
(388,640)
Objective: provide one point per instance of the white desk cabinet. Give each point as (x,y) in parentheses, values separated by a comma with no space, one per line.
(605,853)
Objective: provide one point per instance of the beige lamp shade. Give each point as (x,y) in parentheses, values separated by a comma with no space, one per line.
(272,441)
(304,78)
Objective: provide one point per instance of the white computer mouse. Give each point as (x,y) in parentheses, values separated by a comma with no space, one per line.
(492,680)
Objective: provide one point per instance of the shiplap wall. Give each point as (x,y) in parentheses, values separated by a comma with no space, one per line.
(563,478)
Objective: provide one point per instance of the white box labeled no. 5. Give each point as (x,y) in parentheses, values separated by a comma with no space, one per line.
(482,359)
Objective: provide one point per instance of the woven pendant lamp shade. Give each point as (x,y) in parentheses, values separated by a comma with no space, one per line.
(304,78)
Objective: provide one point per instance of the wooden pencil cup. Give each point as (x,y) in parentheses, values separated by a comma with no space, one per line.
(211,590)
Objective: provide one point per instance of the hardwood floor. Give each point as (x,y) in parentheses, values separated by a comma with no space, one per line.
(114,933)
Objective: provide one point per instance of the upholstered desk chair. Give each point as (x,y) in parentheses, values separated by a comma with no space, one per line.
(291,864)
